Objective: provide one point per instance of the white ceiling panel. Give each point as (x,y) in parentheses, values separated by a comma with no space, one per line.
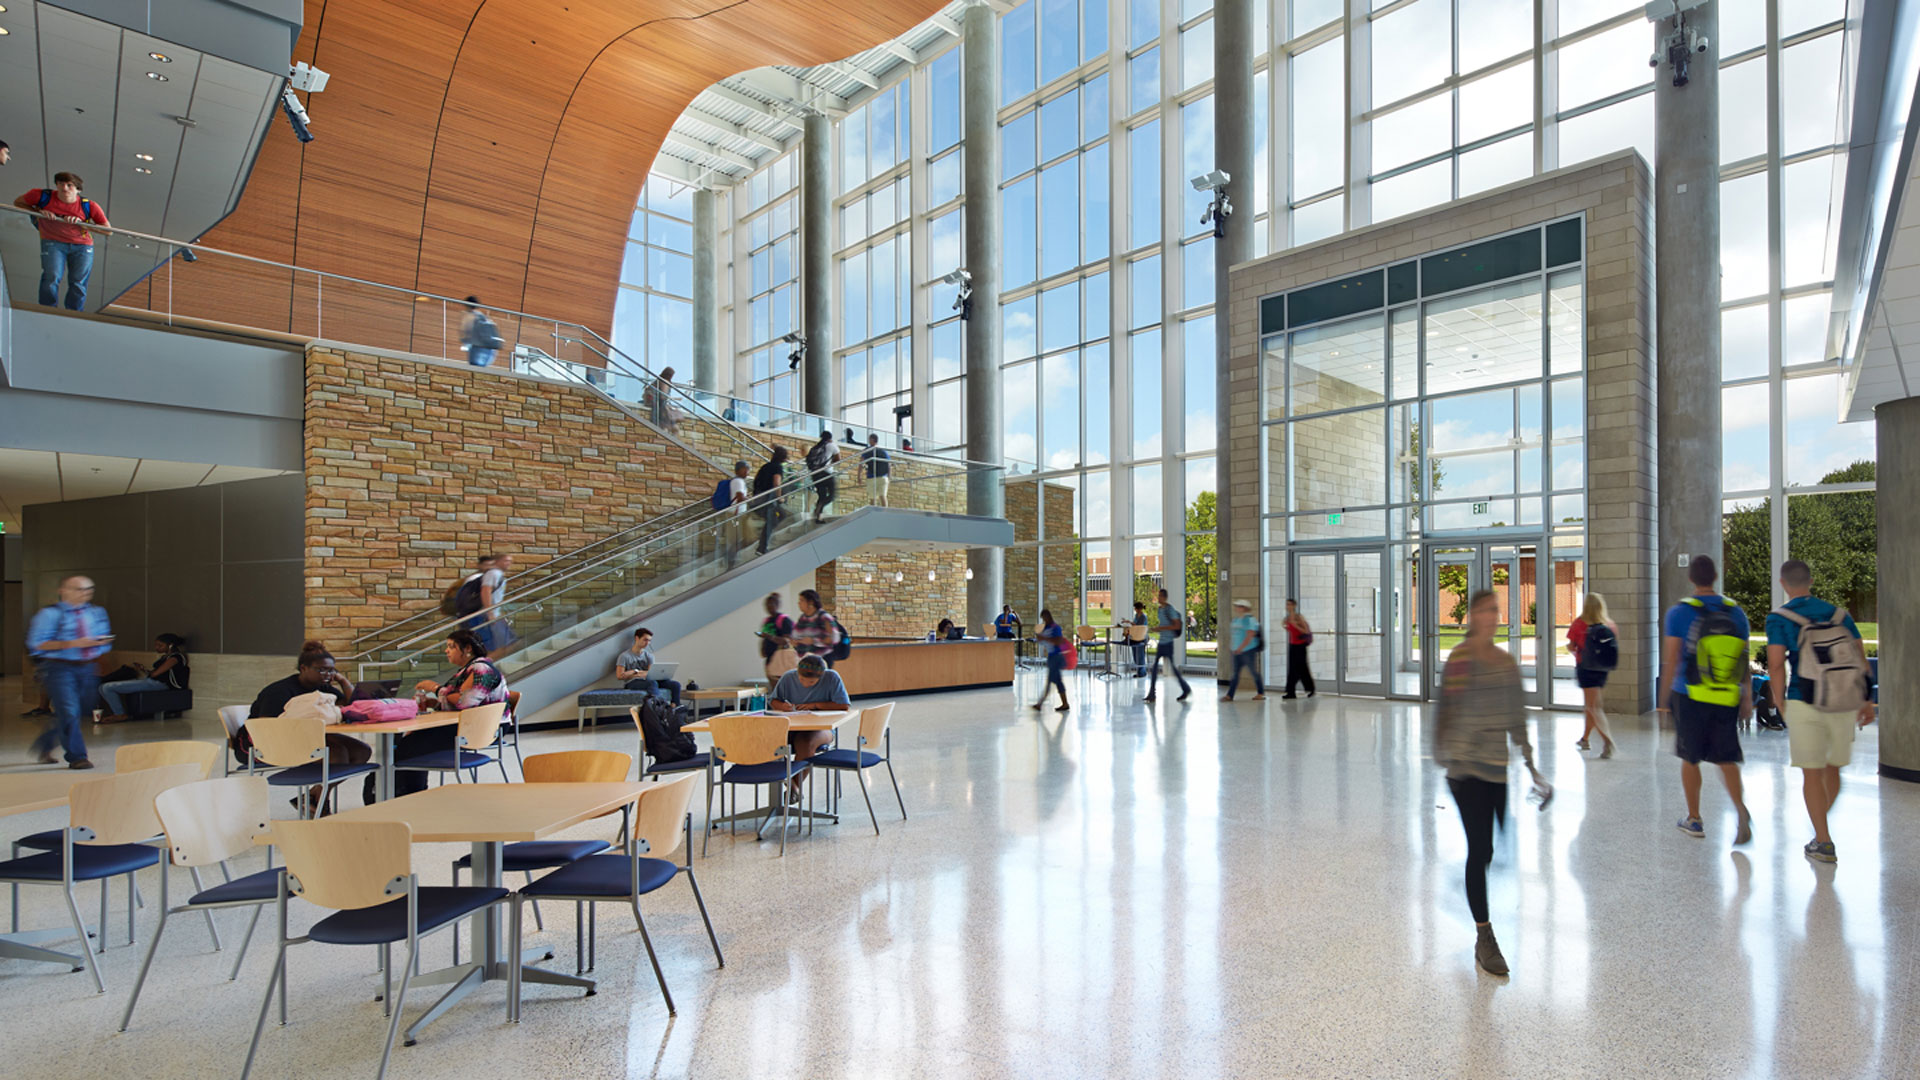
(90,476)
(28,477)
(227,474)
(153,475)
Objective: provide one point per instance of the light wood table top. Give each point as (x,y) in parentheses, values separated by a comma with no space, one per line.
(421,722)
(796,721)
(24,791)
(719,693)
(468,813)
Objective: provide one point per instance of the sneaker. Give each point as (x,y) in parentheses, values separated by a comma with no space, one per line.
(1149,697)
(1184,695)
(1063,708)
(1608,752)
(1692,827)
(35,711)
(47,758)
(1582,745)
(1486,952)
(1820,852)
(1744,832)
(1259,697)
(1226,699)
(1289,697)
(83,763)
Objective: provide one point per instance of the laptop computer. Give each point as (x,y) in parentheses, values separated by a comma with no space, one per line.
(663,669)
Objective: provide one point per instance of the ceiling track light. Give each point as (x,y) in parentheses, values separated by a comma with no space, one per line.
(158,57)
(156,76)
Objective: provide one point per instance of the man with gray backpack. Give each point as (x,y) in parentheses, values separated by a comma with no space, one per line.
(1827,698)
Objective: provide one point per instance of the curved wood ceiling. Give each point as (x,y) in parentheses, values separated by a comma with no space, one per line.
(487,147)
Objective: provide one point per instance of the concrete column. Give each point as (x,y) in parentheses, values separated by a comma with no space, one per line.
(706,291)
(1686,183)
(816,266)
(1897,426)
(986,492)
(1233,142)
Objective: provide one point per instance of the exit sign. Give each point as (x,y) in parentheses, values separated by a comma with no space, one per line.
(1333,519)
(1479,509)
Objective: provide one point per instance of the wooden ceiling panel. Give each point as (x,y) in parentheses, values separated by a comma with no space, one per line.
(492,147)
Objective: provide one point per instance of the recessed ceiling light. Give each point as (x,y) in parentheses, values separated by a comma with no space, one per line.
(138,169)
(144,157)
(4,31)
(156,76)
(160,56)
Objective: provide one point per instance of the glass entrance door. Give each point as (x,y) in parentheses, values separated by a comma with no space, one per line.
(1510,569)
(1343,596)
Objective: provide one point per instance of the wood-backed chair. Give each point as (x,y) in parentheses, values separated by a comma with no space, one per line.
(1091,643)
(363,871)
(876,732)
(297,747)
(207,823)
(478,727)
(110,822)
(232,719)
(654,768)
(753,750)
(524,857)
(661,826)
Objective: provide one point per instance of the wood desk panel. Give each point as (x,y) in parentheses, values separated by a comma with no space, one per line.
(876,670)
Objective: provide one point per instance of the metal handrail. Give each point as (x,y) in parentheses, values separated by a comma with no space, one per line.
(577,576)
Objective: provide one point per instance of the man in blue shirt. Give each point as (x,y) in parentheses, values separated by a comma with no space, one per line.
(1705,718)
(1167,626)
(1244,635)
(68,637)
(1006,624)
(1818,743)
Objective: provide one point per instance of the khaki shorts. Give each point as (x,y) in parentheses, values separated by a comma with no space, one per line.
(877,488)
(1818,739)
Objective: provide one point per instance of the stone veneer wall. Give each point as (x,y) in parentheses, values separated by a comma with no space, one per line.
(1615,196)
(415,466)
(885,608)
(1064,561)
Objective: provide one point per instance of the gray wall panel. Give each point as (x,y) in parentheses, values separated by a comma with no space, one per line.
(262,607)
(264,519)
(184,525)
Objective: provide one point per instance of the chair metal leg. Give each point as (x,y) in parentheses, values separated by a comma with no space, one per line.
(593,935)
(193,872)
(861,776)
(132,892)
(502,762)
(454,932)
(579,938)
(701,903)
(538,922)
(266,1002)
(706,836)
(127,1016)
(648,942)
(513,963)
(896,789)
(386,979)
(245,941)
(393,1029)
(80,929)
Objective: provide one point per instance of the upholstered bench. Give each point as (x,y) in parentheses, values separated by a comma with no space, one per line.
(596,700)
(160,703)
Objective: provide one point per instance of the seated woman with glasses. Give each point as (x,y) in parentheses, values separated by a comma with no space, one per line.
(475,682)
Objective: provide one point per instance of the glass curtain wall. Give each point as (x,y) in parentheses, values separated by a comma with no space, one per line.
(1363,111)
(653,311)
(766,238)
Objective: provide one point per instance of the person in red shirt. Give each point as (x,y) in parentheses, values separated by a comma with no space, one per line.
(66,247)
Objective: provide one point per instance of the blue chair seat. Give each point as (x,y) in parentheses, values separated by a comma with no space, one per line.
(309,774)
(697,761)
(846,759)
(767,772)
(90,862)
(261,885)
(541,854)
(445,760)
(602,875)
(40,841)
(384,923)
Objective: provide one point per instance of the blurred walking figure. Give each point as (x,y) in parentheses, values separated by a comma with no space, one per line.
(1595,643)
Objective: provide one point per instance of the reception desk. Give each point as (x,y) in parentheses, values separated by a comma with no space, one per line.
(882,668)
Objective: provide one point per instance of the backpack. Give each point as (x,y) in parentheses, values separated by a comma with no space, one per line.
(1831,659)
(380,710)
(820,457)
(466,597)
(46,196)
(723,494)
(842,648)
(1602,650)
(660,732)
(1716,653)
(1177,627)
(1259,640)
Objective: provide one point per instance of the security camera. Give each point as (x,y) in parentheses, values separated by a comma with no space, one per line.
(296,115)
(1700,45)
(958,276)
(1211,181)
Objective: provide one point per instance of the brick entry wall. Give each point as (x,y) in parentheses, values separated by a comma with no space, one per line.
(414,467)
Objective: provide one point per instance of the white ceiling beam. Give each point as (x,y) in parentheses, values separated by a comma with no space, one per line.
(718,153)
(901,51)
(690,174)
(747,101)
(855,72)
(738,131)
(784,87)
(946,25)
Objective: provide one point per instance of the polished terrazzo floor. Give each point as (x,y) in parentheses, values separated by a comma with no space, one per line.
(1198,890)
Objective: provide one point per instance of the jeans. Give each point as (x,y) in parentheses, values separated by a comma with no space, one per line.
(71,686)
(72,261)
(1250,661)
(479,357)
(824,489)
(497,635)
(1056,668)
(1140,660)
(770,518)
(671,686)
(1164,651)
(110,692)
(1481,803)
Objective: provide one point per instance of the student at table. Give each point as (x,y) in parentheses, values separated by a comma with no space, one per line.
(476,682)
(314,672)
(811,687)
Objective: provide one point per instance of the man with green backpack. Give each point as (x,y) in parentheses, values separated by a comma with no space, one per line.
(1709,691)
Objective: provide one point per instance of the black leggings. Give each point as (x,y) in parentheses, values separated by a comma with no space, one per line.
(1297,668)
(1481,803)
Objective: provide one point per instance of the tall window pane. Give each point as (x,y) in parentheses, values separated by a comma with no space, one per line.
(1147,382)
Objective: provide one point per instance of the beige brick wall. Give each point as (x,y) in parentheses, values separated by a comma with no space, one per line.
(1614,194)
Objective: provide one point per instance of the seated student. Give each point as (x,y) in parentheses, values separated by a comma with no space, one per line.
(475,682)
(943,632)
(811,687)
(313,671)
(169,672)
(634,664)
(1006,624)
